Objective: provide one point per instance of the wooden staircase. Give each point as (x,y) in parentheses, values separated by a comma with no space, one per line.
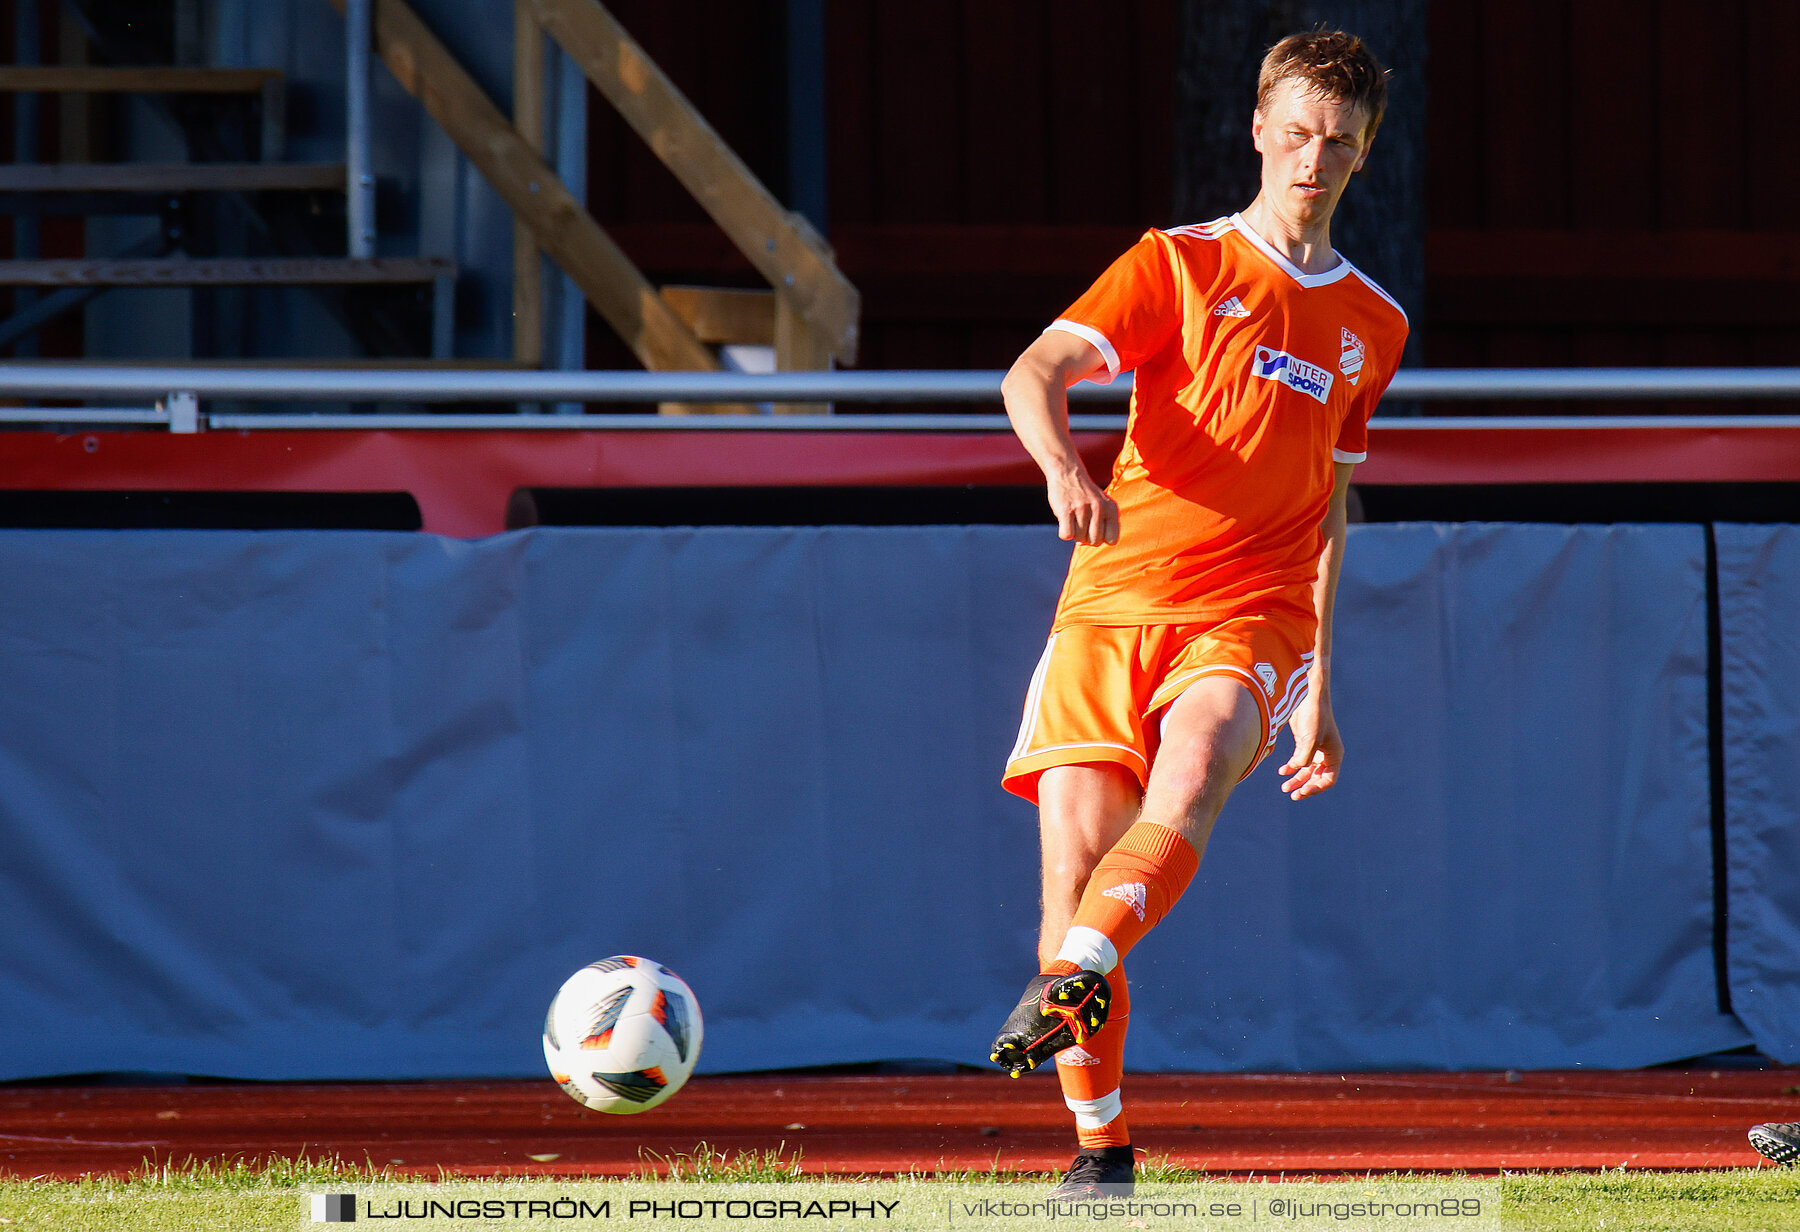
(165,189)
(809,316)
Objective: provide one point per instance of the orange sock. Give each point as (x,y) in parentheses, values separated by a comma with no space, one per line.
(1130,891)
(1090,1074)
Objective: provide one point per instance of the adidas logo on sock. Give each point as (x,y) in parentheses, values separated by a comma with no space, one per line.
(1076,1056)
(1131,893)
(1233,307)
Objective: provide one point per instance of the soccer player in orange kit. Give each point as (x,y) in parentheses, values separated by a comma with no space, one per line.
(1196,618)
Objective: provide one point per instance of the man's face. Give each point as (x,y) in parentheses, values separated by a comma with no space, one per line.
(1310,145)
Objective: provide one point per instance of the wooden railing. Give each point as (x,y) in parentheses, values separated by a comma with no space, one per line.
(819,304)
(562,227)
(816,310)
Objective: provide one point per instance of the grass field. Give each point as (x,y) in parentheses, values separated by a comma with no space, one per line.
(213,1196)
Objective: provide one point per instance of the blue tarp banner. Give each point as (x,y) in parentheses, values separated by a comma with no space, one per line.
(1759,619)
(1515,870)
(340,805)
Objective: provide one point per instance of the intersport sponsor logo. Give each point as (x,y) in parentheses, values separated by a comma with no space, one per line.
(1294,372)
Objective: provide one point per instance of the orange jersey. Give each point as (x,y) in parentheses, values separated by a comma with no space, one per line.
(1252,378)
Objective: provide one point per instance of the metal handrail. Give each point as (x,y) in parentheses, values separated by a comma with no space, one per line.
(928,423)
(166,384)
(970,385)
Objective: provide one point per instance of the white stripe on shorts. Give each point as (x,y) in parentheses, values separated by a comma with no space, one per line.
(1290,695)
(1028,723)
(1084,744)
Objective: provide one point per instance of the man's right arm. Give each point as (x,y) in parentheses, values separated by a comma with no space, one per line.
(1036,393)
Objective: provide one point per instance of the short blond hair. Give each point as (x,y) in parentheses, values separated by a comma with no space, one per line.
(1337,65)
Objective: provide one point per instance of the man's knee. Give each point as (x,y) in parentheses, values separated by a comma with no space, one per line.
(1082,811)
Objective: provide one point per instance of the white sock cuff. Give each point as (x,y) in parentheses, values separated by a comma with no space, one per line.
(1089,949)
(1095,1113)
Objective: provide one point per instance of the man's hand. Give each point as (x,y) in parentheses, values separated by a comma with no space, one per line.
(1037,401)
(1318,749)
(1083,511)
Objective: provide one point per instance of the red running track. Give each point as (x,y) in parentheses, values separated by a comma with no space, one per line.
(1228,1124)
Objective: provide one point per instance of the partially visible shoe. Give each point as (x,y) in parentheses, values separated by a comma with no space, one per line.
(1100,1172)
(1057,1012)
(1779,1141)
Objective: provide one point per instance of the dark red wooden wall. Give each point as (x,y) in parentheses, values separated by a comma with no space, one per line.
(1607,184)
(1608,181)
(986,158)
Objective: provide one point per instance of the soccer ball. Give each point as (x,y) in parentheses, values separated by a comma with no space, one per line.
(623,1034)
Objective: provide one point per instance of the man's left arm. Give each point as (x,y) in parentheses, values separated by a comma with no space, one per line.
(1318,749)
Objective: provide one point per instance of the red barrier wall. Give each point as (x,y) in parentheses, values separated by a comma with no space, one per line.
(462,480)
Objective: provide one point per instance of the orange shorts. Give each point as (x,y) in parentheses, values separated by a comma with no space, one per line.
(1099,689)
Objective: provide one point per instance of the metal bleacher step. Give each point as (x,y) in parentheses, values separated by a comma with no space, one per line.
(75,279)
(170,177)
(99,79)
(266,84)
(83,188)
(224,271)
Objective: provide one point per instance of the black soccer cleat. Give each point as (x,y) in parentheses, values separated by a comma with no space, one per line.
(1097,1173)
(1057,1012)
(1779,1141)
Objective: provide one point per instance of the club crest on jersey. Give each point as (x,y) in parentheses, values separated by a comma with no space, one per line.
(1294,372)
(1350,357)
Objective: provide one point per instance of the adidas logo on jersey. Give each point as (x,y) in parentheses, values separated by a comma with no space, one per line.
(1294,372)
(1131,893)
(1076,1056)
(1350,356)
(1233,307)
(1265,672)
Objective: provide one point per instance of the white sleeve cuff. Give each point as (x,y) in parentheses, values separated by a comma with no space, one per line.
(1338,455)
(1101,344)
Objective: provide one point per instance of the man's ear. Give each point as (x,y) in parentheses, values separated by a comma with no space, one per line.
(1368,143)
(1256,130)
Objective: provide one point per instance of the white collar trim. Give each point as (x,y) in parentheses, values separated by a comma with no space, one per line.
(1334,274)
